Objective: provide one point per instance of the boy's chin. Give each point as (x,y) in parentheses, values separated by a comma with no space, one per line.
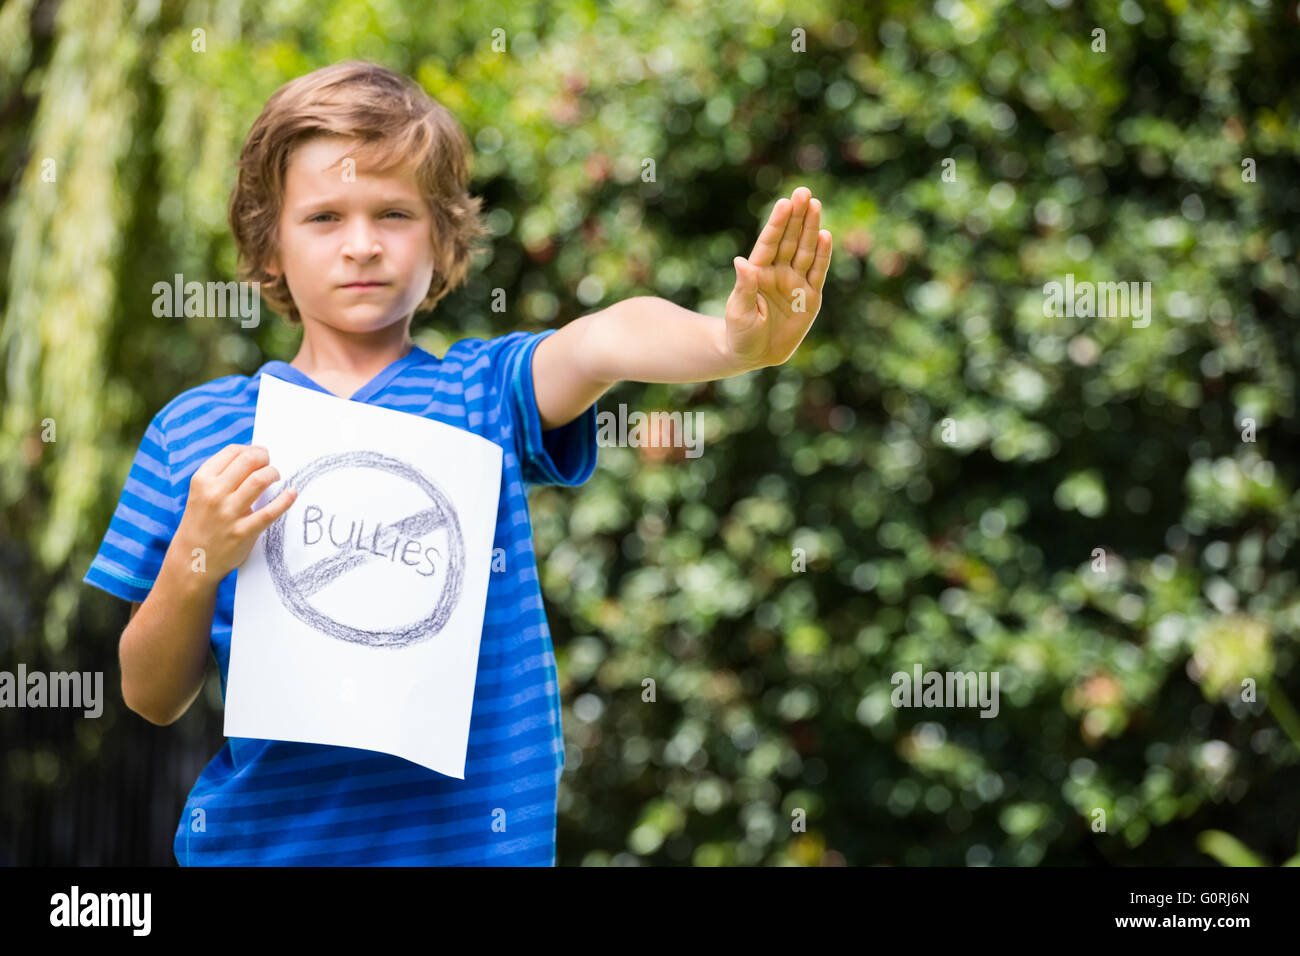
(359,320)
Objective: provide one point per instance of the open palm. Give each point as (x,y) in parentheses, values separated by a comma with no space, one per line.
(778,288)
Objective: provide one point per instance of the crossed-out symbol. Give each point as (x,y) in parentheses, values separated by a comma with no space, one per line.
(295,589)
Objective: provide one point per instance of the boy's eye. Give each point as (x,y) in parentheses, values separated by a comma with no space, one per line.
(321,216)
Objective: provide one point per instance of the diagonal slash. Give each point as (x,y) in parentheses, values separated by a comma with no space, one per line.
(314,577)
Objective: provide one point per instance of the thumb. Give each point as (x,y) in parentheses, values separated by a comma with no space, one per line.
(746,284)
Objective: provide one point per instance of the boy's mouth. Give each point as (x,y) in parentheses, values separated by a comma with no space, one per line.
(364,285)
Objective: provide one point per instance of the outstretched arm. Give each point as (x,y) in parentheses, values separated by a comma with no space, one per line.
(778,293)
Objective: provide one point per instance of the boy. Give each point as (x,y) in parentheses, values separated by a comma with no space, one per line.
(351,210)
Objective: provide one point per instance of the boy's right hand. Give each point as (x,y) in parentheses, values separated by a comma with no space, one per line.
(218,516)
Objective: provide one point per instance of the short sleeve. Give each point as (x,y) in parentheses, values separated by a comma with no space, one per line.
(559,456)
(142,526)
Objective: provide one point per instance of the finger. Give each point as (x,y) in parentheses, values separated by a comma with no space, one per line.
(822,262)
(770,238)
(793,226)
(240,467)
(266,516)
(253,485)
(217,463)
(807,249)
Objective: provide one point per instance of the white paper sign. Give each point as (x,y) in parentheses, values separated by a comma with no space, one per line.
(358,613)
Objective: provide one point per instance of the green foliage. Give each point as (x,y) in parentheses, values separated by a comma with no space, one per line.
(975,485)
(1230,851)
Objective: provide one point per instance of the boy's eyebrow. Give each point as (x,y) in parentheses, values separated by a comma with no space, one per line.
(332,200)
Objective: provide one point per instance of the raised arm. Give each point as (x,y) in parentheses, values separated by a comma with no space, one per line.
(778,293)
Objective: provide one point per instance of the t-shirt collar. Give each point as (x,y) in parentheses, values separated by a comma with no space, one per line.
(283,370)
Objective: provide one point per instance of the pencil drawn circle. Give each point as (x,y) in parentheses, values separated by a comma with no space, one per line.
(295,590)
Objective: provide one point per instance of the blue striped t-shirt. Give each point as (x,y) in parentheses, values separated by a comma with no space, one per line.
(269,802)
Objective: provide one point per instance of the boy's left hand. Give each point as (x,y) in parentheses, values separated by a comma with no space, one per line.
(778,288)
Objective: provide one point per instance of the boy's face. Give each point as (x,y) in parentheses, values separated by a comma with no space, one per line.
(341,226)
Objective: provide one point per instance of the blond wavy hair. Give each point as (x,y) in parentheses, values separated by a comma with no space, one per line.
(398,124)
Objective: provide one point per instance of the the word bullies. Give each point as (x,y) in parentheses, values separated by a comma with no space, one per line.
(102,909)
(946,689)
(410,546)
(611,430)
(208,300)
(1100,299)
(65,690)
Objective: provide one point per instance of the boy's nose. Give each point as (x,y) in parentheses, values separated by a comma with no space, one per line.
(361,243)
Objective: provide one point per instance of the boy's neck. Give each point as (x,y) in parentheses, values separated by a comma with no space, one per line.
(327,351)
